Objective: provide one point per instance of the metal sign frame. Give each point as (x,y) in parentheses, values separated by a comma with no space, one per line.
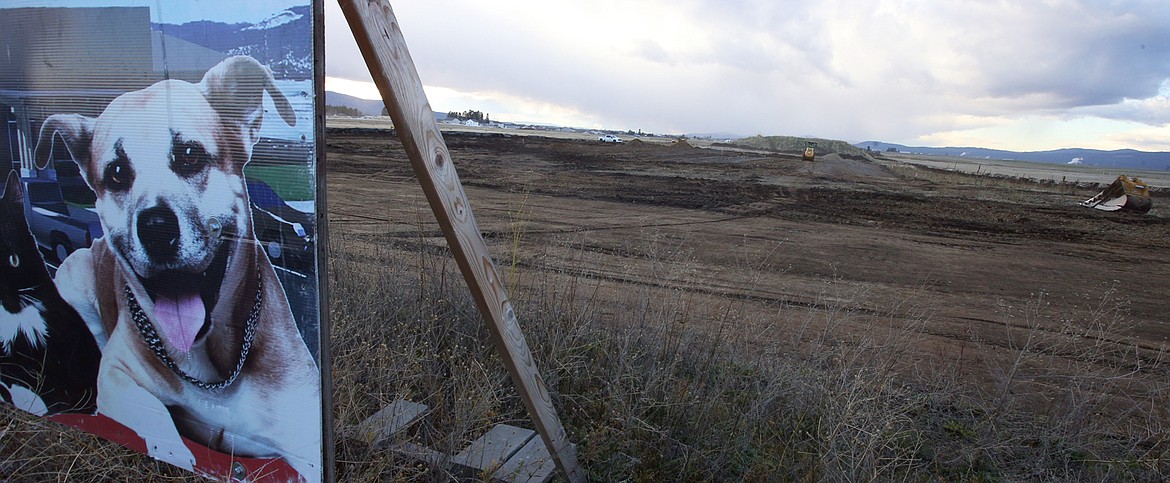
(165,216)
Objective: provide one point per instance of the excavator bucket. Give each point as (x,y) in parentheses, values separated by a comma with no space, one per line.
(1129,194)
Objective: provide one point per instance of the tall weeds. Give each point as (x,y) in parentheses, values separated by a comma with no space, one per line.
(665,383)
(660,383)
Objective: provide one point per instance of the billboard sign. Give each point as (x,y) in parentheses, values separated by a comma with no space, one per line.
(160,264)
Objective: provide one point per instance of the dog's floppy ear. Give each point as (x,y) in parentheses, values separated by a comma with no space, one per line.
(235,88)
(77,132)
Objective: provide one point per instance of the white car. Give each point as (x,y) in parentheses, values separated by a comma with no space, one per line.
(609,138)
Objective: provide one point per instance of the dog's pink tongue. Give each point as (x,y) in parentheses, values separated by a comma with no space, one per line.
(180,316)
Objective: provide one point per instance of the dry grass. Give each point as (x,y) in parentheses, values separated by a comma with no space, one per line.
(656,387)
(33,449)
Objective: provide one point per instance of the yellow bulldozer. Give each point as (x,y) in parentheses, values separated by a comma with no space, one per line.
(809,151)
(1128,194)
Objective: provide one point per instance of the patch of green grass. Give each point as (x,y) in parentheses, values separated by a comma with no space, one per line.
(292,183)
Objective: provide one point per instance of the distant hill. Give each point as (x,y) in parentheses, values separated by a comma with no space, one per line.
(277,41)
(366,106)
(797,144)
(1122,158)
(713,135)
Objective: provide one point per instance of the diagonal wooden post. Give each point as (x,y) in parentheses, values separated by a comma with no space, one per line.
(381,42)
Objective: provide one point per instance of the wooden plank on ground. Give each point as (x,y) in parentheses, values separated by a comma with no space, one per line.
(531,464)
(380,40)
(421,453)
(379,428)
(493,448)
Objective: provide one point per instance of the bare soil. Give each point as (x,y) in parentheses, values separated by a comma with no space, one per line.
(977,263)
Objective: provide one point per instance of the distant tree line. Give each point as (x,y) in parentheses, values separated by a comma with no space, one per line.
(343,111)
(473,115)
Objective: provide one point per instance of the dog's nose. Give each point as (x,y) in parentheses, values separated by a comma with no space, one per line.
(158,229)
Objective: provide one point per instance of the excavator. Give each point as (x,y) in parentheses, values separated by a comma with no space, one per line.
(1128,194)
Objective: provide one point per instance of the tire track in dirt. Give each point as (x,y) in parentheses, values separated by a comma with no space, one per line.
(1150,356)
(971,250)
(373,220)
(729,292)
(1119,343)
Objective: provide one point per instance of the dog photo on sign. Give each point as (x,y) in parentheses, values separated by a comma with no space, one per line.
(198,338)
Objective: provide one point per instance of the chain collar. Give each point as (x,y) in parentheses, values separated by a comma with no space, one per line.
(156,345)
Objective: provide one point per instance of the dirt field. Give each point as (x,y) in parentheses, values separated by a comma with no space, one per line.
(980,263)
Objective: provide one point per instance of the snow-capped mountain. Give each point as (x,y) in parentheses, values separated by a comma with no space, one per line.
(283,41)
(275,20)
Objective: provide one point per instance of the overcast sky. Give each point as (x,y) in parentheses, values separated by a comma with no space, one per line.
(1020,75)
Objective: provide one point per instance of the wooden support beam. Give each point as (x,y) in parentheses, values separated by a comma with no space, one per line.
(380,40)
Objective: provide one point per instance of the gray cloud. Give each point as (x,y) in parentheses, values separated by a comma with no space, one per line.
(886,69)
(1091,54)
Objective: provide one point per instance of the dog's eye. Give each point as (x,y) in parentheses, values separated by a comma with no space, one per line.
(188,158)
(118,175)
(14,260)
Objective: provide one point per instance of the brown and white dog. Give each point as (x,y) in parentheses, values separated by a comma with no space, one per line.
(166,163)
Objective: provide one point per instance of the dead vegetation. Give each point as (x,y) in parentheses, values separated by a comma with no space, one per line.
(666,388)
(666,369)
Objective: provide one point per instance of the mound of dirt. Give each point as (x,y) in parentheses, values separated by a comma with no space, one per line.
(836,167)
(681,143)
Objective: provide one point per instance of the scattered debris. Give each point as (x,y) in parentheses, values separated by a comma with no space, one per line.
(1129,194)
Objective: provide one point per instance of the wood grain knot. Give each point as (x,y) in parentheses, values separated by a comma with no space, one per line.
(460,210)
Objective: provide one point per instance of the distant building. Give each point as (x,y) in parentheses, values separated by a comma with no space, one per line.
(55,56)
